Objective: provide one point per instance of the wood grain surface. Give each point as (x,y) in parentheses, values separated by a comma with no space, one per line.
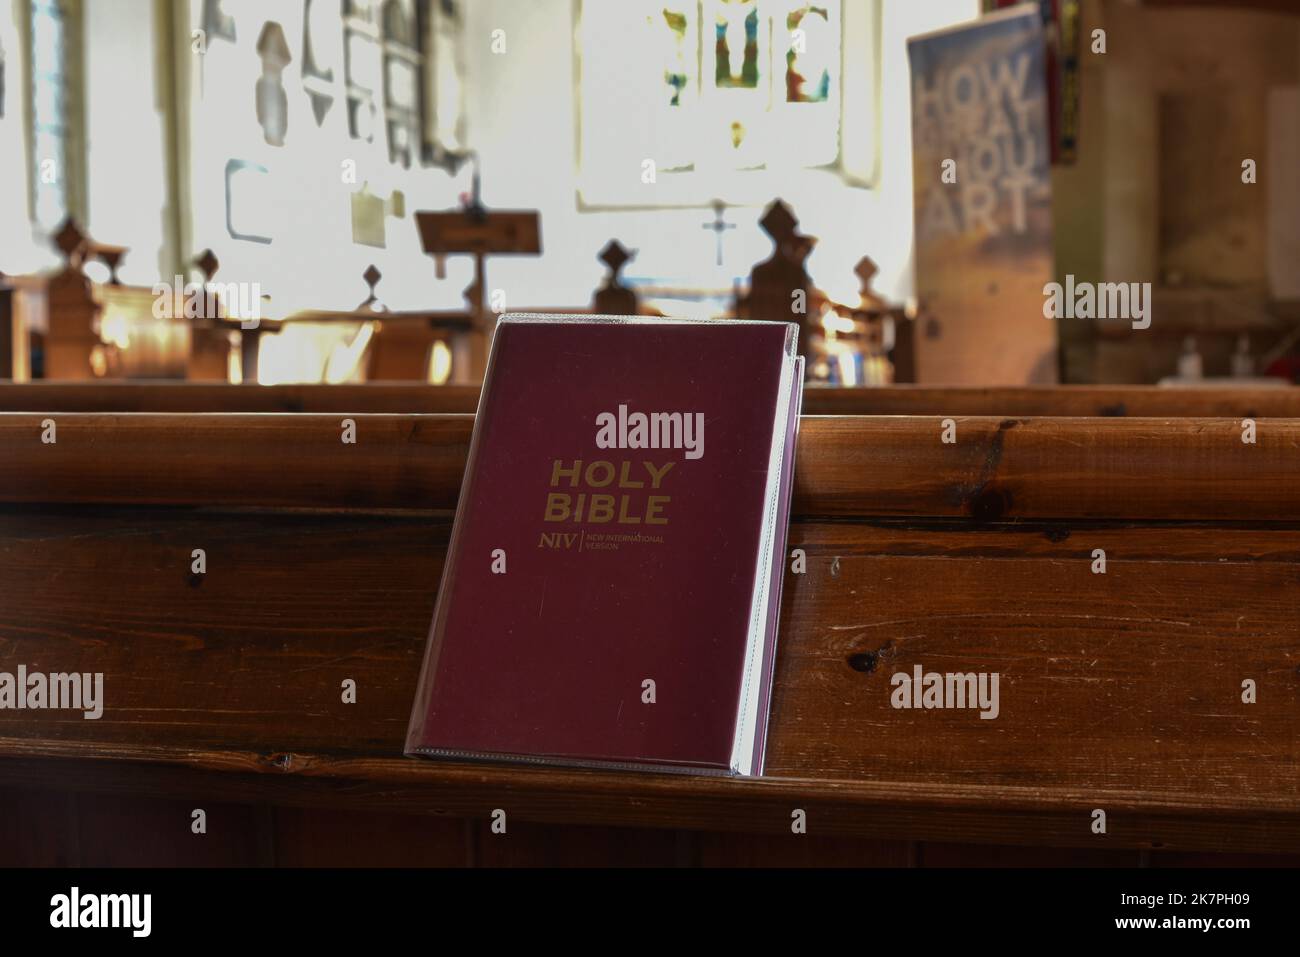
(848,466)
(1119,692)
(415,397)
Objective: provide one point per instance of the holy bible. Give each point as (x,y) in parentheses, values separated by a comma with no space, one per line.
(613,578)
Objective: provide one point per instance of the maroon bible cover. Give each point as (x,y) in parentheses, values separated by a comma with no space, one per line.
(612,584)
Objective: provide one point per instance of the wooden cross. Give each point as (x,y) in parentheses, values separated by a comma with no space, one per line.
(719,225)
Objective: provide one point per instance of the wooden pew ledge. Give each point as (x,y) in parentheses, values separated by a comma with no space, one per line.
(418,397)
(998,469)
(913,810)
(173,396)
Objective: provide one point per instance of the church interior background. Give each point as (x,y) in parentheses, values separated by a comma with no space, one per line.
(290,146)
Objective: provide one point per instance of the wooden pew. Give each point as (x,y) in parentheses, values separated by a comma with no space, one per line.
(1069,400)
(1084,401)
(23,324)
(402,342)
(198,347)
(1120,691)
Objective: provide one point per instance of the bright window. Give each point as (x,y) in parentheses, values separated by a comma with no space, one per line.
(56,168)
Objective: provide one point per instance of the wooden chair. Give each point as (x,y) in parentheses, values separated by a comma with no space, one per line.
(780,289)
(402,342)
(613,298)
(213,334)
(71,341)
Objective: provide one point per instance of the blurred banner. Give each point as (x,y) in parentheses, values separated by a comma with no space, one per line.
(982,189)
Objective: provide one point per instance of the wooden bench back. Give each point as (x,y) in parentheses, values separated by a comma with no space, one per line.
(1119,691)
(415,397)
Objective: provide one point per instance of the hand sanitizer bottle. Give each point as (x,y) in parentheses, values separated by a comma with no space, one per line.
(1243,363)
(1189,363)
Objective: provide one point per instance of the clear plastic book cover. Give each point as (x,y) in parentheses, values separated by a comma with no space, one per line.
(612,582)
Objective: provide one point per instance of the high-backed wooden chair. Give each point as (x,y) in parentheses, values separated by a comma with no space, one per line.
(613,298)
(780,289)
(211,330)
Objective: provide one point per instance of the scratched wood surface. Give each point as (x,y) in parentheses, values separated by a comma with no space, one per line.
(414,397)
(1120,691)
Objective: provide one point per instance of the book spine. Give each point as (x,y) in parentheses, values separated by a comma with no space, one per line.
(794,407)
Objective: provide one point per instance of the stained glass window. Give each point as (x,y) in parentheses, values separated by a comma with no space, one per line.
(362,71)
(402,77)
(808,65)
(735,43)
(706,87)
(56,165)
(445,106)
(403,68)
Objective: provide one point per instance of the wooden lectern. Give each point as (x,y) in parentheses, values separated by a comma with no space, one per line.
(477,231)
